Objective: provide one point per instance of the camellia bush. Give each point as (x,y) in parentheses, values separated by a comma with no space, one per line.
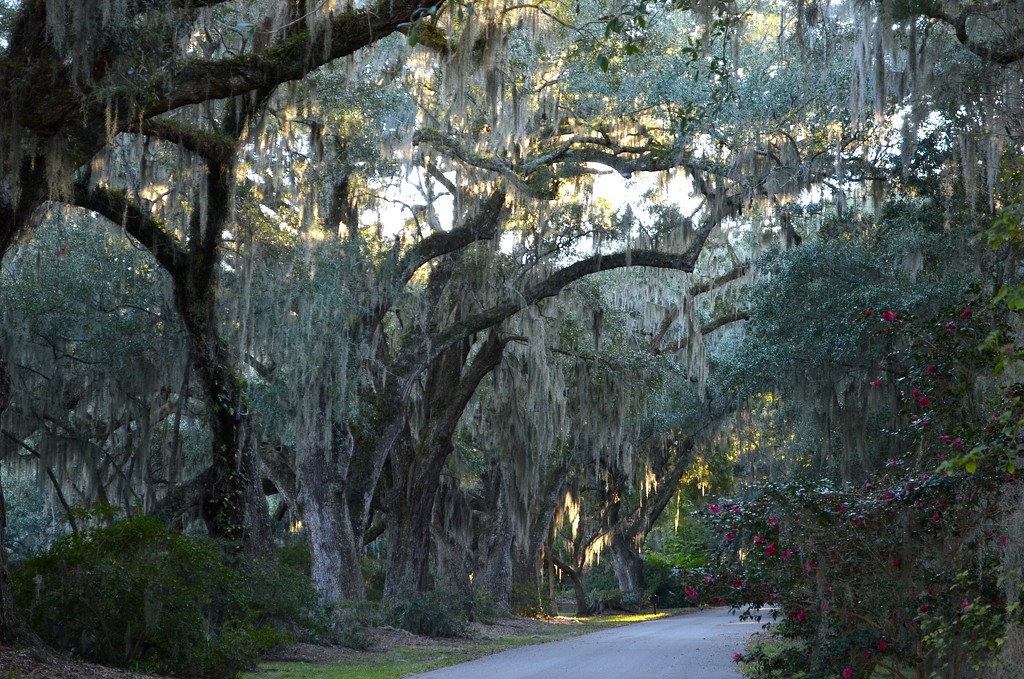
(905,575)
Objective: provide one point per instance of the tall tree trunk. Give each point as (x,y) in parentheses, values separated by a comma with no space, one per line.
(416,469)
(493,572)
(629,567)
(321,503)
(527,598)
(12,630)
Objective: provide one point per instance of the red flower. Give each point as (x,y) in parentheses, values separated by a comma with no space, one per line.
(923,401)
(883,645)
(967,313)
(876,383)
(915,393)
(888,315)
(714,509)
(847,672)
(801,616)
(770,550)
(936,517)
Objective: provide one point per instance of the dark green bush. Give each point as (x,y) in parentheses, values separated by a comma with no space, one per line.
(137,595)
(435,614)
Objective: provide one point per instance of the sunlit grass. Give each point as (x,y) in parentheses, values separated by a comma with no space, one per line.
(401,661)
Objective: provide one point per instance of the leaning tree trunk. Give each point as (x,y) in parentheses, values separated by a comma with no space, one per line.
(416,469)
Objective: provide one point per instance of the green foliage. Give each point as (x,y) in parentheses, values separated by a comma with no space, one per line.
(134,594)
(437,613)
(908,568)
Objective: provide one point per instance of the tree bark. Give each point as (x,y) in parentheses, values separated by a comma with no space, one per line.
(527,598)
(416,469)
(628,566)
(12,629)
(335,564)
(493,572)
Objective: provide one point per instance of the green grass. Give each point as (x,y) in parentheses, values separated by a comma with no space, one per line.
(404,660)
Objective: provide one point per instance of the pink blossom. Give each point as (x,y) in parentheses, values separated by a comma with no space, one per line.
(888,315)
(965,604)
(923,401)
(958,442)
(691,592)
(737,657)
(931,370)
(876,383)
(847,672)
(1002,540)
(811,565)
(945,438)
(714,509)
(935,517)
(967,313)
(729,537)
(883,645)
(915,393)
(801,616)
(869,312)
(773,521)
(770,550)
(758,539)
(950,327)
(889,495)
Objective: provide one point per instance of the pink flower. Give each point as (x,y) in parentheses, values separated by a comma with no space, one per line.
(758,539)
(737,657)
(950,327)
(770,550)
(923,401)
(691,592)
(811,565)
(931,370)
(714,509)
(965,605)
(876,383)
(889,495)
(915,393)
(935,517)
(967,313)
(883,645)
(847,672)
(869,312)
(801,616)
(1002,540)
(958,442)
(888,315)
(773,521)
(729,537)
(945,438)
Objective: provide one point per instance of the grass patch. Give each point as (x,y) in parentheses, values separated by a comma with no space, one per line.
(400,661)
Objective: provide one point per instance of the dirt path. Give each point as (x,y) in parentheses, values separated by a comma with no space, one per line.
(692,646)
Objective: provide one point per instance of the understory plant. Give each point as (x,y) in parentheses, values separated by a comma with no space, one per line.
(905,575)
(134,594)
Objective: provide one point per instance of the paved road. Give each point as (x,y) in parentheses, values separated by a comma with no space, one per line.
(691,646)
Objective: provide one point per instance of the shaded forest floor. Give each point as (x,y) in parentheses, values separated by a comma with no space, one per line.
(390,653)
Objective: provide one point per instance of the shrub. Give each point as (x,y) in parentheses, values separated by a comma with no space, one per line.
(134,594)
(906,570)
(436,613)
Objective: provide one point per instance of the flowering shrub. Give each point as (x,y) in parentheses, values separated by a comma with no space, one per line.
(902,575)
